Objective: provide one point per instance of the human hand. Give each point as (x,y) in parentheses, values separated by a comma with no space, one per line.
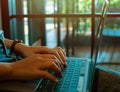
(36,66)
(31,50)
(62,54)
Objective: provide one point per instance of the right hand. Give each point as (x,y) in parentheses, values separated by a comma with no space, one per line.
(35,66)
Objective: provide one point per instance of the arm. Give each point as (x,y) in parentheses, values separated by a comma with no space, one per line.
(25,51)
(32,67)
(5,70)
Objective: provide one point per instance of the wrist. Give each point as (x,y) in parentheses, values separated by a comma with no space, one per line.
(20,48)
(13,45)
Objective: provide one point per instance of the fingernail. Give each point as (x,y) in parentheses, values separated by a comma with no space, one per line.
(56,81)
(65,65)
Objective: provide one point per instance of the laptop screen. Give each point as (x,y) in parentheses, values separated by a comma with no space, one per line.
(98,37)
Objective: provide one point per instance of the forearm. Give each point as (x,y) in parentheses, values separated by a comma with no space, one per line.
(5,71)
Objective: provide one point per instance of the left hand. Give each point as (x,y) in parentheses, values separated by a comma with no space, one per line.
(58,52)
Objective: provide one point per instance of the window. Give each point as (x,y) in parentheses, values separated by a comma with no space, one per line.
(34,20)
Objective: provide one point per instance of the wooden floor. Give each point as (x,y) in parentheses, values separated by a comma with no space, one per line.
(107,56)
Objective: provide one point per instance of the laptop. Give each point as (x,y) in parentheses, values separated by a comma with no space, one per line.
(77,76)
(98,38)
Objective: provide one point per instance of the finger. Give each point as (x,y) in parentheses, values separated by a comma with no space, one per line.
(56,53)
(59,63)
(52,66)
(56,61)
(62,50)
(61,55)
(43,58)
(48,76)
(46,50)
(48,56)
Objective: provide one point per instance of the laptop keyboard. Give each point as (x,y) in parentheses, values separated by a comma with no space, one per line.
(69,81)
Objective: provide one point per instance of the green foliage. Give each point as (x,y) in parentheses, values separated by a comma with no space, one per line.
(84,6)
(111,23)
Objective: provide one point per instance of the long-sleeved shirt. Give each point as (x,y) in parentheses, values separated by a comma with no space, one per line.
(4,51)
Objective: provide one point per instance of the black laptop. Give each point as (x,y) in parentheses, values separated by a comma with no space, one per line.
(77,77)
